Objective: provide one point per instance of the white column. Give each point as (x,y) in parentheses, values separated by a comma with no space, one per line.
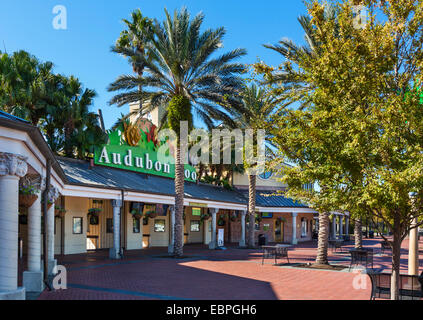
(334,226)
(341,225)
(12,168)
(413,251)
(294,228)
(33,277)
(213,242)
(114,252)
(347,225)
(52,263)
(172,230)
(242,241)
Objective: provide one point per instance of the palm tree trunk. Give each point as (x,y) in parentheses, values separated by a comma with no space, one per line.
(251,210)
(358,234)
(323,241)
(179,203)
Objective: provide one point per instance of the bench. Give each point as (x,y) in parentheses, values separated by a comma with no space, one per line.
(362,257)
(410,287)
(336,244)
(274,252)
(384,245)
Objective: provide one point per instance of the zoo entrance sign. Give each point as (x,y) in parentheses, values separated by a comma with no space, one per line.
(135,147)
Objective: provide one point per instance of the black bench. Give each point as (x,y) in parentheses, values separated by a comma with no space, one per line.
(275,252)
(410,287)
(362,257)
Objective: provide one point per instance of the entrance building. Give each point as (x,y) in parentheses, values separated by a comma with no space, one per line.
(96,207)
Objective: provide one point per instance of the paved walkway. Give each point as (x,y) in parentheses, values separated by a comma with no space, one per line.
(227,275)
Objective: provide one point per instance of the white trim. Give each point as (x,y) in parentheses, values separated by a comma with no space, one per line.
(100,193)
(285,210)
(16,141)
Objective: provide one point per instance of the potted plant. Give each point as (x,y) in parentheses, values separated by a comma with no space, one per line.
(49,203)
(234,217)
(93,215)
(281,219)
(136,213)
(152,214)
(59,211)
(204,217)
(27,195)
(221,222)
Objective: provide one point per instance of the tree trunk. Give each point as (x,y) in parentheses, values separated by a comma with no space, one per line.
(251,210)
(358,234)
(179,203)
(323,242)
(396,258)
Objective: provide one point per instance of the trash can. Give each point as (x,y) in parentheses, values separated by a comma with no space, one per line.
(261,240)
(371,234)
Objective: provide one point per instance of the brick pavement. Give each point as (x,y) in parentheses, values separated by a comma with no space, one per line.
(229,275)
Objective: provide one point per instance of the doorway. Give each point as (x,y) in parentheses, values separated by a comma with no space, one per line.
(279,227)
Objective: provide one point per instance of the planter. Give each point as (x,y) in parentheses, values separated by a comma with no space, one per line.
(27,200)
(49,206)
(137,216)
(152,215)
(221,222)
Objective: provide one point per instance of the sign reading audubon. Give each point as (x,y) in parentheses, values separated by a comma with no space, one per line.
(135,147)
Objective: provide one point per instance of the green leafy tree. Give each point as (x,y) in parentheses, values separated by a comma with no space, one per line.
(359,135)
(183,77)
(289,84)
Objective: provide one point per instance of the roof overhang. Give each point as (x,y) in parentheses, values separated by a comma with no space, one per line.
(27,140)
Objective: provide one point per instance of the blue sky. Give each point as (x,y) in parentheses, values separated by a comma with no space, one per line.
(93,26)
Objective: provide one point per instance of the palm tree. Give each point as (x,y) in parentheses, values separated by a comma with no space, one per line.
(258,108)
(80,126)
(183,77)
(27,86)
(133,42)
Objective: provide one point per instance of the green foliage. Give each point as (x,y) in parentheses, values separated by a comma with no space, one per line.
(28,189)
(58,105)
(358,133)
(179,109)
(179,60)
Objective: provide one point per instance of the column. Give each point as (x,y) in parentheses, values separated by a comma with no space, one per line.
(347,225)
(334,226)
(413,250)
(114,253)
(12,168)
(53,194)
(213,242)
(172,230)
(33,277)
(242,241)
(341,225)
(294,228)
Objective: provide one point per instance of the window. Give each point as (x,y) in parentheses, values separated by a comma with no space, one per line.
(195,226)
(136,225)
(304,226)
(196,212)
(109,225)
(77,225)
(266,175)
(159,225)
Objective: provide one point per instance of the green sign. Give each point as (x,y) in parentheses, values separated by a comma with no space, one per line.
(135,147)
